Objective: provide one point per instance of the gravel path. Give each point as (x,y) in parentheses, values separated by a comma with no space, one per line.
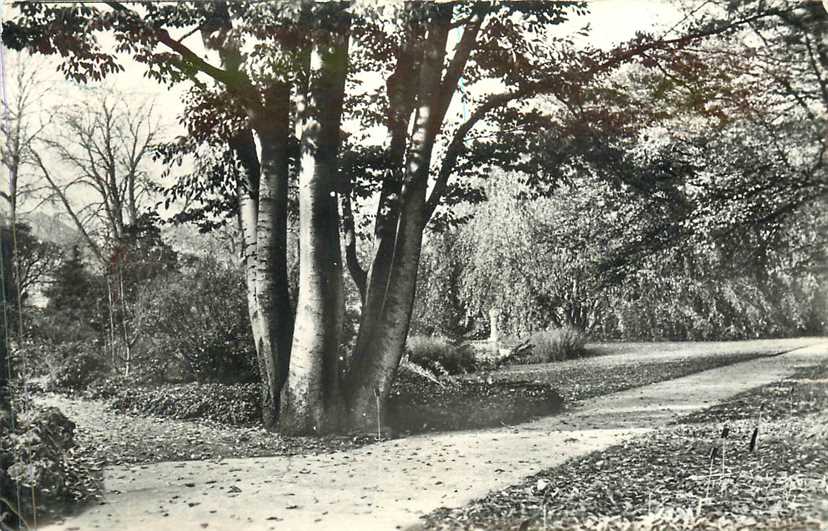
(389,485)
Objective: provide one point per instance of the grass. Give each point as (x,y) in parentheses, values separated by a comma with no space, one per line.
(587,378)
(547,346)
(440,355)
(664,480)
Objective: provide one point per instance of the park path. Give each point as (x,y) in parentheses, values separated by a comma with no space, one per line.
(390,484)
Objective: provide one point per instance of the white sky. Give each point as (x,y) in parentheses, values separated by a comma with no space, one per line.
(611,21)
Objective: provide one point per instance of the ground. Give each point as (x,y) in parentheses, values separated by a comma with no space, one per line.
(392,483)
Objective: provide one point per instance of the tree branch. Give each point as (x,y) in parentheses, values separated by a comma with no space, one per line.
(550,85)
(187,55)
(69,210)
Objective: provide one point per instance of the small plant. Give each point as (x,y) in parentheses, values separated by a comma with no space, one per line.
(440,356)
(559,344)
(73,367)
(41,468)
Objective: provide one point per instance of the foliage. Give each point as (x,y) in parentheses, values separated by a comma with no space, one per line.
(596,376)
(559,344)
(73,366)
(236,404)
(106,387)
(582,257)
(27,263)
(558,117)
(422,405)
(41,454)
(536,260)
(440,355)
(64,340)
(76,305)
(438,309)
(197,318)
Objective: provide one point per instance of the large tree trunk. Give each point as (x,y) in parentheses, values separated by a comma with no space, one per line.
(311,401)
(375,363)
(263,199)
(245,149)
(271,277)
(402,88)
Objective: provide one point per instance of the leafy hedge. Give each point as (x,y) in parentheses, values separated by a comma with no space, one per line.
(40,453)
(236,404)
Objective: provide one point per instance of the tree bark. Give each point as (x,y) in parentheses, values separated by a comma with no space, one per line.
(272,290)
(311,401)
(359,275)
(402,88)
(245,148)
(263,199)
(375,364)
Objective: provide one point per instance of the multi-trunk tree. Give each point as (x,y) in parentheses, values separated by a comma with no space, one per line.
(276,109)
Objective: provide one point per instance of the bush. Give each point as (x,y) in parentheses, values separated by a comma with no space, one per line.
(72,367)
(237,404)
(107,387)
(440,356)
(420,404)
(559,344)
(40,454)
(197,321)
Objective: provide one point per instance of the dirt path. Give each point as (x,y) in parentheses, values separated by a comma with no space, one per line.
(388,485)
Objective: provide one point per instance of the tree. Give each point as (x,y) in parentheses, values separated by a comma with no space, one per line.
(74,301)
(35,260)
(103,145)
(297,80)
(6,412)
(20,130)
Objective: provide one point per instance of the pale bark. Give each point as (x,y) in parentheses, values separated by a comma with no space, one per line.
(263,201)
(311,401)
(272,290)
(245,149)
(374,365)
(402,88)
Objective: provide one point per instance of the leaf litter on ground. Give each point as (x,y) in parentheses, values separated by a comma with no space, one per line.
(666,480)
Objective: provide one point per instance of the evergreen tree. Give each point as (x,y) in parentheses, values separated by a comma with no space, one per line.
(76,308)
(72,284)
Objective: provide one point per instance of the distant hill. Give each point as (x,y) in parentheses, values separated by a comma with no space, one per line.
(50,227)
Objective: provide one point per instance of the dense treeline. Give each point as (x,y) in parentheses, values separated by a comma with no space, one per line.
(557,262)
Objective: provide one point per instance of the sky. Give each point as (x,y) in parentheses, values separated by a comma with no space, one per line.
(611,21)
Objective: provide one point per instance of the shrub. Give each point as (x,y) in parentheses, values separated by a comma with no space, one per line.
(559,344)
(106,387)
(72,366)
(236,404)
(440,356)
(41,454)
(418,404)
(197,320)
